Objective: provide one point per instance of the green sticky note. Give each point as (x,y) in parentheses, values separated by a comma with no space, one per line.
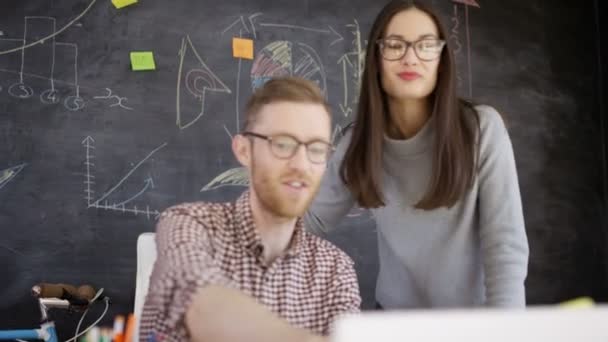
(581,302)
(123,3)
(142,60)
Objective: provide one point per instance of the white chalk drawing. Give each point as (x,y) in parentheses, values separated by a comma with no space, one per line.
(251,28)
(8,174)
(74,102)
(284,58)
(288,58)
(467,2)
(197,81)
(230,135)
(252,22)
(69,51)
(338,39)
(118,100)
(234,177)
(241,21)
(337,133)
(455,39)
(352,64)
(122,205)
(238,176)
(51,35)
(20,89)
(237,96)
(328,31)
(90,178)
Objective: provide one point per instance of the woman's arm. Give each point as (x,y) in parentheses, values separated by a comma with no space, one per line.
(333,201)
(504,244)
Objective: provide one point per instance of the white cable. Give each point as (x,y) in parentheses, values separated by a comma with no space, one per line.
(107,300)
(97,295)
(81,319)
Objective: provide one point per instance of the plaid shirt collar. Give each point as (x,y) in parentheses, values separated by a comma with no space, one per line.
(249,236)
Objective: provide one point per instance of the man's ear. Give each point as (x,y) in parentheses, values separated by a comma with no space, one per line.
(242,149)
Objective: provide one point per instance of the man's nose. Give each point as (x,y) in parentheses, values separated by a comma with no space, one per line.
(300,158)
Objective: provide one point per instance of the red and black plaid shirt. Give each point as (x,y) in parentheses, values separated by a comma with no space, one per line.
(199,244)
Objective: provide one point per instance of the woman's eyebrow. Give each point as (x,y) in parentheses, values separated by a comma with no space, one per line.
(422,36)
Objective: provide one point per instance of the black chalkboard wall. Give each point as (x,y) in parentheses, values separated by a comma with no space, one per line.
(91,151)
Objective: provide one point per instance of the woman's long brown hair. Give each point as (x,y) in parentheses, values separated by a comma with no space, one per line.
(456,128)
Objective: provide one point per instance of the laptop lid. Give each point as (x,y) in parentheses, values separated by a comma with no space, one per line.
(551,324)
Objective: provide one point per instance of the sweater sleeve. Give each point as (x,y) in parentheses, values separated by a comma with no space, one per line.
(504,245)
(333,201)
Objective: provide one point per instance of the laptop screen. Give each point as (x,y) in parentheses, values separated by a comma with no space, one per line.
(551,324)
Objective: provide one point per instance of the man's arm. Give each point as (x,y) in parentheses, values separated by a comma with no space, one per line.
(223,314)
(190,294)
(185,263)
(346,296)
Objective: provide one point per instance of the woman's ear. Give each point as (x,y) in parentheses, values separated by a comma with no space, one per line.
(242,149)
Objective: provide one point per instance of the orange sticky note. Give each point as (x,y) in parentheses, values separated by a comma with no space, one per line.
(123,3)
(242,48)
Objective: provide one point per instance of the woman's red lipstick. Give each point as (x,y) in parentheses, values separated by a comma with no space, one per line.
(409,76)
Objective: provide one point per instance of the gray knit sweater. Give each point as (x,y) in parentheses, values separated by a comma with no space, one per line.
(475,253)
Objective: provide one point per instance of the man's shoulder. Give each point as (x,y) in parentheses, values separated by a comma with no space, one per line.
(212,213)
(323,249)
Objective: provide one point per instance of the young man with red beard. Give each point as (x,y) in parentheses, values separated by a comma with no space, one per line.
(248,270)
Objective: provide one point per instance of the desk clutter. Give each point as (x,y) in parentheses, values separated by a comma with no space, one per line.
(121,331)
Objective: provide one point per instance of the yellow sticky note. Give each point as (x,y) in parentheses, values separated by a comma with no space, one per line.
(142,60)
(123,3)
(242,48)
(581,302)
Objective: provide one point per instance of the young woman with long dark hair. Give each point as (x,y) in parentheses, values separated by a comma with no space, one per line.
(437,172)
